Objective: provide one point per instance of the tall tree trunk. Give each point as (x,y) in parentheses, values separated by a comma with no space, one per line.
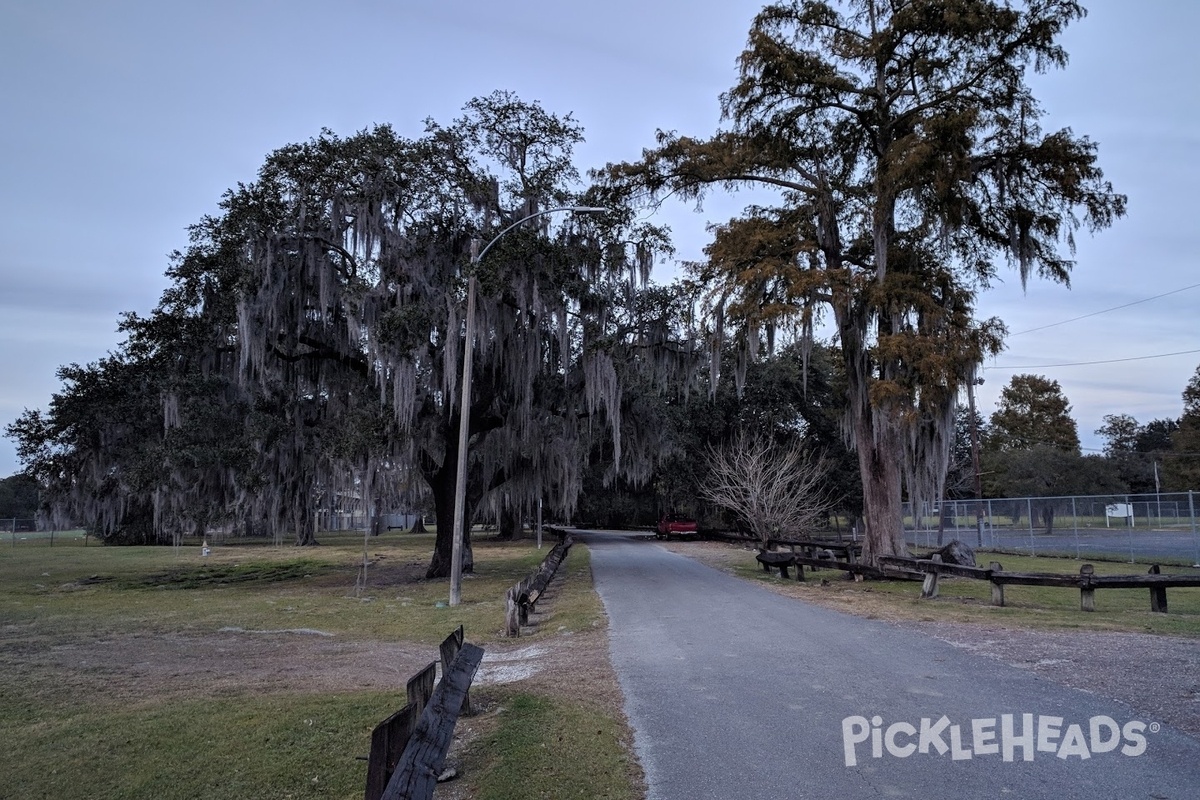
(510,524)
(377,518)
(1048,517)
(305,517)
(306,530)
(878,443)
(879,455)
(442,483)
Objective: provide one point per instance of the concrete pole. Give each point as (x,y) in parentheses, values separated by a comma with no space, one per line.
(975,461)
(464,432)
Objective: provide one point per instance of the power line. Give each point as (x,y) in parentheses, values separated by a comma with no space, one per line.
(1090,363)
(1105,311)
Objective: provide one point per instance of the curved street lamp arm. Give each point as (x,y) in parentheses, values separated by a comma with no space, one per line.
(575,209)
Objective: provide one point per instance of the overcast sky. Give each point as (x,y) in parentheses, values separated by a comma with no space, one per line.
(125,120)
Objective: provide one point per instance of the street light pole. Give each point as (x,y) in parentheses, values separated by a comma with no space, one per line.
(464,409)
(975,460)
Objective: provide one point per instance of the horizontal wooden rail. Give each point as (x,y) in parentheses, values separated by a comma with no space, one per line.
(782,561)
(1087,581)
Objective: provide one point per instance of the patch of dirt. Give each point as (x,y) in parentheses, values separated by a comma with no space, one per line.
(574,667)
(1156,677)
(226,663)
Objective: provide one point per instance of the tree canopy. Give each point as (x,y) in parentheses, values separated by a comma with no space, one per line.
(314,331)
(905,146)
(1032,411)
(1183,469)
(18,497)
(1141,453)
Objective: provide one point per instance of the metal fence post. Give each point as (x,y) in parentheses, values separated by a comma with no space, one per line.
(1195,538)
(991,524)
(1075,518)
(1029,509)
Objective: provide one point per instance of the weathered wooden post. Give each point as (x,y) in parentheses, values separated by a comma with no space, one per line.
(391,736)
(512,614)
(448,651)
(929,589)
(1087,592)
(997,588)
(1158,594)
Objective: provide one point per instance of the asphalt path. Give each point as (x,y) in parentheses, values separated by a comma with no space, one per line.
(734,691)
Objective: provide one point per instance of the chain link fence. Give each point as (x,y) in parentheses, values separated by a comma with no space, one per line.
(25,532)
(1134,527)
(21,532)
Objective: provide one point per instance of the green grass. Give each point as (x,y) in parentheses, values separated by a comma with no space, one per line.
(968,600)
(65,737)
(282,746)
(72,591)
(544,747)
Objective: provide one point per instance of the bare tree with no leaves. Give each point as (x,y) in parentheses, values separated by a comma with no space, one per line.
(777,490)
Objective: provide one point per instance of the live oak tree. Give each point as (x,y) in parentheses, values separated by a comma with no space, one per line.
(1032,410)
(18,497)
(324,312)
(904,145)
(104,457)
(353,298)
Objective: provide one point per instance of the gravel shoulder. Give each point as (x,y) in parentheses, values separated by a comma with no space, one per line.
(1156,677)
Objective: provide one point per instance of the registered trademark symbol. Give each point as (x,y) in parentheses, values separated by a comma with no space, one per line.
(1155,727)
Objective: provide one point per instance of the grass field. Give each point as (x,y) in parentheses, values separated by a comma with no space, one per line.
(255,672)
(259,671)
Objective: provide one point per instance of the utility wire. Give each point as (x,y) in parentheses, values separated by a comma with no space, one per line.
(1105,311)
(1090,363)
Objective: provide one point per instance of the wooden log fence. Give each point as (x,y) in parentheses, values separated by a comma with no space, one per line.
(827,559)
(417,773)
(409,748)
(1087,581)
(523,596)
(824,555)
(807,547)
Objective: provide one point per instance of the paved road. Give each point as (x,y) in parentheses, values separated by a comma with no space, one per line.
(734,691)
